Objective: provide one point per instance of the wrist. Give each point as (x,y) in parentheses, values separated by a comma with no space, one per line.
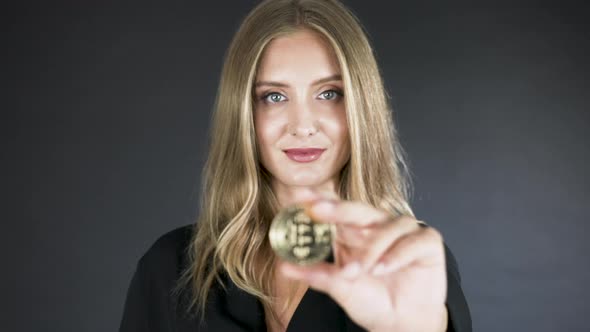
(441,326)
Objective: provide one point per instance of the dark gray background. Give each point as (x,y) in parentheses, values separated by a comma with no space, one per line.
(113,103)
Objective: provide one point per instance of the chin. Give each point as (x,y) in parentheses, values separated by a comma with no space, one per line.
(304,180)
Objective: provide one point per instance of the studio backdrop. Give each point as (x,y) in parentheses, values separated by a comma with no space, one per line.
(114,103)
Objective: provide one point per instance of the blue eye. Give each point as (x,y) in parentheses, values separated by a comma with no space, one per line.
(330,94)
(273,97)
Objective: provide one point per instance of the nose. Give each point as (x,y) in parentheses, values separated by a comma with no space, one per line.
(302,121)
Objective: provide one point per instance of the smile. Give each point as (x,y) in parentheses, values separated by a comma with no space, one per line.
(304,155)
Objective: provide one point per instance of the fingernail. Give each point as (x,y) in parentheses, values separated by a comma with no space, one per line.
(379,269)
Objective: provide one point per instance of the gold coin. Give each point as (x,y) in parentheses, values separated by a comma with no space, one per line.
(298,239)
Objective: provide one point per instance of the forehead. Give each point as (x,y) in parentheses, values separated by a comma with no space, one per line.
(302,54)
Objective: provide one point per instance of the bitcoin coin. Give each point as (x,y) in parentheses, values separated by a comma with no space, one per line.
(295,237)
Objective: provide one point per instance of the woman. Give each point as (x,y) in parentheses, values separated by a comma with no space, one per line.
(301,118)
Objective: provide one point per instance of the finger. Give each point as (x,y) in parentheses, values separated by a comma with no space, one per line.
(324,277)
(347,213)
(307,196)
(386,238)
(353,236)
(424,246)
(344,255)
(319,270)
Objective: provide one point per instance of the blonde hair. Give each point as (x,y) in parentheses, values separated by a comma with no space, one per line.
(237,202)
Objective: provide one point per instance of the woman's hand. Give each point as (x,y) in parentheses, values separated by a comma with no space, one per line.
(389,273)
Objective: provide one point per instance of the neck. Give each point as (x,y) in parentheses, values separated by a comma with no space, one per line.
(287,296)
(289,195)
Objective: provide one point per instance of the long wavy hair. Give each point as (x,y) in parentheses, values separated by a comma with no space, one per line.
(237,202)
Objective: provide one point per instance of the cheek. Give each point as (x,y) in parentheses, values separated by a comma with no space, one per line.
(341,136)
(267,131)
(336,125)
(343,126)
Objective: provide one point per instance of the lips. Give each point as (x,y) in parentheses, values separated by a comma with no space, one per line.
(304,155)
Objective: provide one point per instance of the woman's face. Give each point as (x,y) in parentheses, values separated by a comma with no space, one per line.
(299,104)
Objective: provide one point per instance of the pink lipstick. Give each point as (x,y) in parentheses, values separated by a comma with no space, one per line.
(305,155)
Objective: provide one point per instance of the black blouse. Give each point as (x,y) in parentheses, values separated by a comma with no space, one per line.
(151,307)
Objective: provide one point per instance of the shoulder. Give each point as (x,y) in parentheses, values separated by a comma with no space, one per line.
(168,253)
(459,313)
(150,304)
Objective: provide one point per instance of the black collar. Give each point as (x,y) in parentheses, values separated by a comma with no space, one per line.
(316,311)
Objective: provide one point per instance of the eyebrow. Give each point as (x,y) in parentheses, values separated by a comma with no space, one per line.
(335,77)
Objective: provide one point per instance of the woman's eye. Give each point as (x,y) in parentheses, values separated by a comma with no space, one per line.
(274,97)
(330,94)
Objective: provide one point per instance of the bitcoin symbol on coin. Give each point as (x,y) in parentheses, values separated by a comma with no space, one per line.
(298,239)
